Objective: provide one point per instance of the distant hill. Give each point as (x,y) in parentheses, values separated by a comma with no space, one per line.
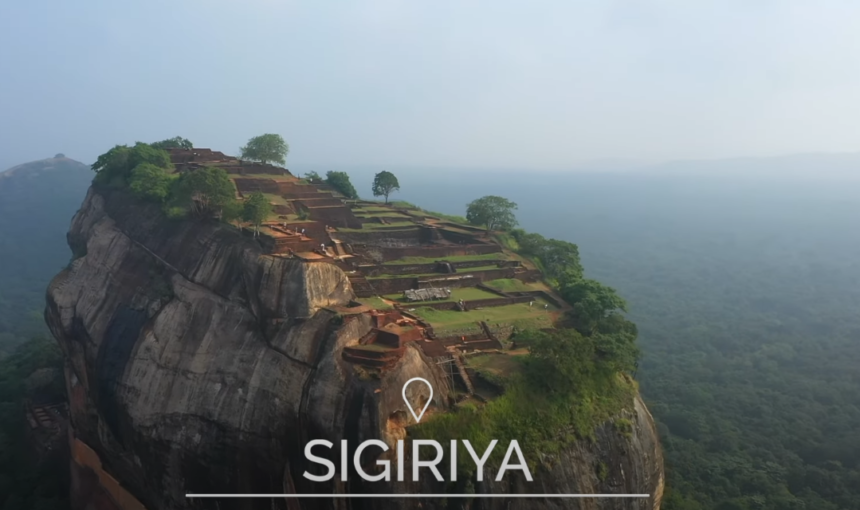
(37,202)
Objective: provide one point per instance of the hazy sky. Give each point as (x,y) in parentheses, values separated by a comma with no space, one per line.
(445,83)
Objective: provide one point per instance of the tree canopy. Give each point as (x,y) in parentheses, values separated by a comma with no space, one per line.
(114,167)
(385,183)
(177,142)
(341,183)
(207,191)
(24,483)
(313,176)
(496,213)
(267,148)
(150,182)
(593,303)
(558,259)
(256,209)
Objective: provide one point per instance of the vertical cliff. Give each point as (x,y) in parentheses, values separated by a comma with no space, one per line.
(196,364)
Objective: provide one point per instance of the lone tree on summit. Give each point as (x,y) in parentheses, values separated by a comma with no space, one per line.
(496,213)
(384,184)
(268,148)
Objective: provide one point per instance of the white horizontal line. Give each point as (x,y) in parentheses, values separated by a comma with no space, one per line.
(395,496)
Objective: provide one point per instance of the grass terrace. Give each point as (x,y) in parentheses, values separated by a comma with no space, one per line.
(376,303)
(275,199)
(377,226)
(465,293)
(461,272)
(373,209)
(386,214)
(520,315)
(455,258)
(514,285)
(279,178)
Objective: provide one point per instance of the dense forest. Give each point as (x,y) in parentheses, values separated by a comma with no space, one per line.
(746,293)
(37,202)
(29,481)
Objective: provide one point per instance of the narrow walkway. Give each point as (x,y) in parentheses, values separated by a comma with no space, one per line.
(463,374)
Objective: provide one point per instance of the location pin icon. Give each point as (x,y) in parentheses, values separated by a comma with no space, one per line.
(409,405)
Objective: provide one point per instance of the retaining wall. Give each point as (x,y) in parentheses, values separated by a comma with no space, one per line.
(408,236)
(390,253)
(340,216)
(320,201)
(245,185)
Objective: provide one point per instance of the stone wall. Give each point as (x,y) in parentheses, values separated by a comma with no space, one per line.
(393,285)
(339,216)
(319,201)
(396,253)
(401,237)
(247,186)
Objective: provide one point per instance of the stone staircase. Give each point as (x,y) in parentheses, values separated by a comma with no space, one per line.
(361,286)
(458,362)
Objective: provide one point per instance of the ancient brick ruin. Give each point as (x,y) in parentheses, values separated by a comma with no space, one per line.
(369,241)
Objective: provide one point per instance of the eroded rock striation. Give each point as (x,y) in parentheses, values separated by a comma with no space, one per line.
(198,364)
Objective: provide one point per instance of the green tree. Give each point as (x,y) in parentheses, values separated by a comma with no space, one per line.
(268,148)
(341,183)
(313,177)
(558,259)
(384,183)
(593,303)
(150,182)
(206,191)
(145,153)
(564,358)
(113,167)
(256,209)
(496,213)
(177,142)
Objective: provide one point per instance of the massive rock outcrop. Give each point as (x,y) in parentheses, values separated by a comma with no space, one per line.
(196,364)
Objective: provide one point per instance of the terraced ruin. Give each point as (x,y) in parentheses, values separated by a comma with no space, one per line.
(449,287)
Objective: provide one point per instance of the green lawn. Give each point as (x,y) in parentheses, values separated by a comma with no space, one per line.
(520,315)
(455,258)
(375,302)
(466,294)
(514,285)
(372,209)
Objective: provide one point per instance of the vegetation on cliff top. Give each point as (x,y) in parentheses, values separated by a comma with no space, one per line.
(572,378)
(341,183)
(268,148)
(385,183)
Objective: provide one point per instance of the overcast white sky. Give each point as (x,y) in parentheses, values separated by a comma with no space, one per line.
(540,84)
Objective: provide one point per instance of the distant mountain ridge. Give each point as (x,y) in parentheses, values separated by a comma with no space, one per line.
(37,202)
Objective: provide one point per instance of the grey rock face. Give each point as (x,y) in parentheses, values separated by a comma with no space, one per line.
(208,366)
